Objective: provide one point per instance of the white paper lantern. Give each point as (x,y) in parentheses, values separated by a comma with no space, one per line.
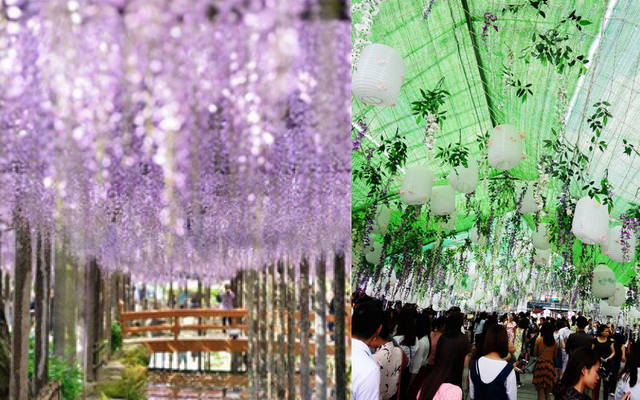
(590,221)
(634,313)
(379,76)
(616,249)
(447,226)
(443,200)
(528,203)
(605,309)
(417,185)
(604,247)
(382,220)
(505,147)
(604,282)
(541,237)
(465,180)
(476,237)
(542,257)
(374,257)
(620,297)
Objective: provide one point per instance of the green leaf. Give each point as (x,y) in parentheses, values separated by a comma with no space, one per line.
(584,22)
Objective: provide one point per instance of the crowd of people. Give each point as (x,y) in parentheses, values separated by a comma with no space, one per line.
(401,353)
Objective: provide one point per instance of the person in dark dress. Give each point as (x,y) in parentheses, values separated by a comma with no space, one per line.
(604,348)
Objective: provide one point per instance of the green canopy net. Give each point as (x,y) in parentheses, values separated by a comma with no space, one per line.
(483,50)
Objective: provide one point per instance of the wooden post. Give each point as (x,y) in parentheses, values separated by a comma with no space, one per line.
(19,379)
(43,276)
(291,332)
(321,334)
(340,345)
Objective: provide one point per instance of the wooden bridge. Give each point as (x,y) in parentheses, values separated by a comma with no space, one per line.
(161,330)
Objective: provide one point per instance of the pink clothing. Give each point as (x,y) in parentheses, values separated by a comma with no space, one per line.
(511,326)
(434,343)
(448,391)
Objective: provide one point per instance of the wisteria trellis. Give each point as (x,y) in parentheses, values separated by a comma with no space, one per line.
(176,138)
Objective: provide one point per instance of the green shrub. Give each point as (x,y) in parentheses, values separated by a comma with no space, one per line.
(132,386)
(116,337)
(138,355)
(70,377)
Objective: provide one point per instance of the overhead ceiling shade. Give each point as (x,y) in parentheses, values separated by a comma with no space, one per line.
(382,218)
(443,201)
(417,185)
(374,256)
(590,221)
(619,298)
(528,203)
(542,257)
(379,76)
(616,249)
(465,179)
(604,282)
(505,147)
(541,237)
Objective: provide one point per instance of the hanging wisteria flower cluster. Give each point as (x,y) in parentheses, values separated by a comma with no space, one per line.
(175,139)
(362,33)
(430,132)
(427,10)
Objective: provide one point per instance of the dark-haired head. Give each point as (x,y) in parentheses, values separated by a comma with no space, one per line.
(454,322)
(407,326)
(367,320)
(523,323)
(630,370)
(581,322)
(481,337)
(546,331)
(453,348)
(603,331)
(497,341)
(439,323)
(584,362)
(423,325)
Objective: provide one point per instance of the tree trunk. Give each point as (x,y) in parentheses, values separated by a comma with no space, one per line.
(321,334)
(19,383)
(304,331)
(340,344)
(92,318)
(291,332)
(42,313)
(5,350)
(60,342)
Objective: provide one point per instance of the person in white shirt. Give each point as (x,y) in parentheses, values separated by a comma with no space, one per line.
(490,376)
(366,323)
(628,381)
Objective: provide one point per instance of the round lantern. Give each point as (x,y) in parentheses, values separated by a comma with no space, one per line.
(462,179)
(417,185)
(541,237)
(528,203)
(616,249)
(590,221)
(634,313)
(476,237)
(505,147)
(374,256)
(605,309)
(449,225)
(604,282)
(604,247)
(443,200)
(542,257)
(620,297)
(382,220)
(379,75)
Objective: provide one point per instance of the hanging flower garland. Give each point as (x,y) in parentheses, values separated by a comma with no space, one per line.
(427,11)
(430,133)
(369,9)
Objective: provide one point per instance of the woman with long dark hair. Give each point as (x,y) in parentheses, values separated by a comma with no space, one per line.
(604,348)
(546,348)
(581,372)
(628,379)
(438,330)
(390,359)
(445,380)
(491,377)
(407,339)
